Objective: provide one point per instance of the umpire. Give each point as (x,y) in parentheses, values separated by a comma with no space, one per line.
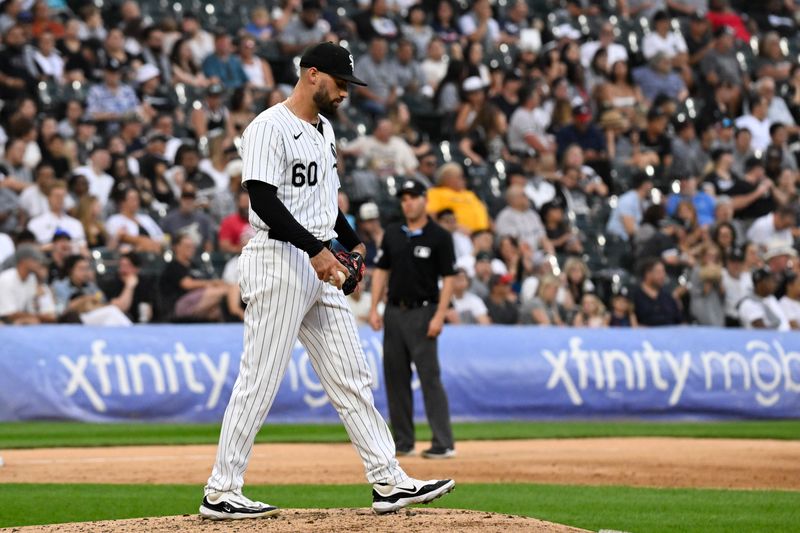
(412,258)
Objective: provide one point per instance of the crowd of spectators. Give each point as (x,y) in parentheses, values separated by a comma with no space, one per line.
(618,163)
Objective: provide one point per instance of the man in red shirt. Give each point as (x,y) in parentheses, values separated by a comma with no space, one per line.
(235,226)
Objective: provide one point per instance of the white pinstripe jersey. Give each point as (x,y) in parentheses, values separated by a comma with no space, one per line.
(285,151)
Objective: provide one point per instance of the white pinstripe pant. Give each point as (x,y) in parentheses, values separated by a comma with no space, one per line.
(285,300)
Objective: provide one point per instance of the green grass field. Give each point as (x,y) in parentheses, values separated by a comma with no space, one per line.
(594,508)
(56,434)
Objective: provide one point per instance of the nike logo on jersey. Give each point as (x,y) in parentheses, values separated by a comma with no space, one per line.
(298,136)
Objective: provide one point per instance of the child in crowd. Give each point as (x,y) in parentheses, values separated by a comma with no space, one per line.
(622,315)
(592,313)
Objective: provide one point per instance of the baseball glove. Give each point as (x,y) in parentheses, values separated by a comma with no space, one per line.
(354,264)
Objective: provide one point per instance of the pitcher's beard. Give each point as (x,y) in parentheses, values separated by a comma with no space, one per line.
(324,103)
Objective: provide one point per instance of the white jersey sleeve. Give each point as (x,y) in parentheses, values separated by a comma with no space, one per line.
(264,153)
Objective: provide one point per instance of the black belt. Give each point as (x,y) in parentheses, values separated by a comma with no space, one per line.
(327,244)
(410,304)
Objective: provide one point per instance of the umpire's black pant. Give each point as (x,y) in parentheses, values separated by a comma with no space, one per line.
(405,341)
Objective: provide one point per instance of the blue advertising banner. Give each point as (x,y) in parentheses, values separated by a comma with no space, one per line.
(186,373)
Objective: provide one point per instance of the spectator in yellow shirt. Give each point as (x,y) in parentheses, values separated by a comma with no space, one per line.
(451,193)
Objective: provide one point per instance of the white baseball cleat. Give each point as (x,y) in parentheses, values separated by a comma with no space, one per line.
(234,506)
(391,498)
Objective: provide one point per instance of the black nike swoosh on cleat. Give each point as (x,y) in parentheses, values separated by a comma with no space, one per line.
(298,136)
(401,493)
(412,490)
(226,507)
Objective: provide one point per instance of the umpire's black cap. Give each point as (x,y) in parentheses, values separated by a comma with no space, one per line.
(411,186)
(331,59)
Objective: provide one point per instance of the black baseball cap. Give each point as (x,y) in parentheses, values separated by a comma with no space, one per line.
(752,162)
(761,274)
(113,65)
(716,153)
(660,15)
(215,89)
(656,112)
(640,178)
(156,136)
(736,254)
(410,186)
(331,59)
(724,30)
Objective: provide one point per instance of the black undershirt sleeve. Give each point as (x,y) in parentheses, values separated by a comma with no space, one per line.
(345,233)
(282,225)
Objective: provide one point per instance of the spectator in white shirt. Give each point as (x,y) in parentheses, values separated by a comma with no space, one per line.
(201,43)
(757,122)
(33,200)
(47,60)
(6,247)
(134,229)
(521,222)
(790,303)
(527,131)
(434,66)
(26,297)
(100,182)
(777,110)
(382,152)
(762,310)
(615,52)
(467,308)
(662,39)
(45,225)
(537,188)
(780,225)
(737,284)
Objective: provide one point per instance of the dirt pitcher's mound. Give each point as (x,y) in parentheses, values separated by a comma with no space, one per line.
(299,520)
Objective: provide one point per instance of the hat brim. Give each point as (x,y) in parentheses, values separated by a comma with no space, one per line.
(772,254)
(412,193)
(349,78)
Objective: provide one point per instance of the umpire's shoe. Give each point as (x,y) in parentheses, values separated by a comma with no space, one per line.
(391,498)
(234,506)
